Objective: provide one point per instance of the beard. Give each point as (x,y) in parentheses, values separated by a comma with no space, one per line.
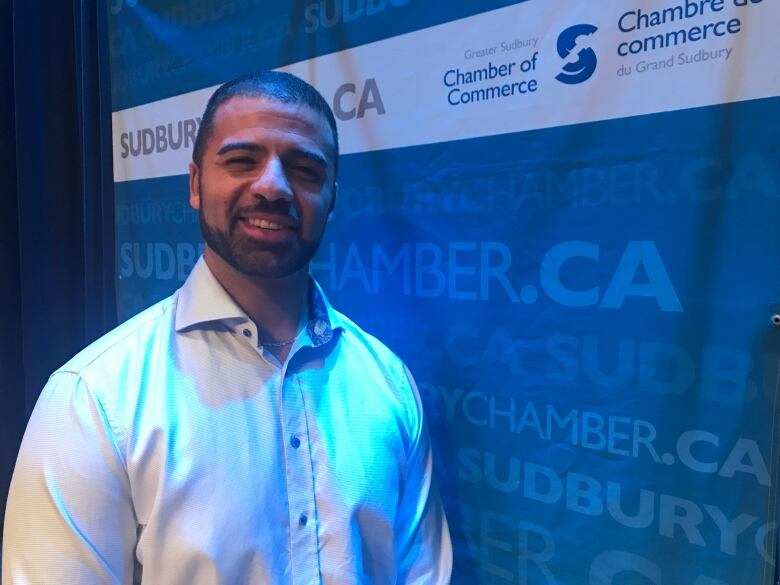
(259,259)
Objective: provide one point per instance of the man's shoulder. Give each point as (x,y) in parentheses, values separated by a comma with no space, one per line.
(375,361)
(124,338)
(357,338)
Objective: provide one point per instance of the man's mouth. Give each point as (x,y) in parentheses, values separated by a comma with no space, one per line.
(266,224)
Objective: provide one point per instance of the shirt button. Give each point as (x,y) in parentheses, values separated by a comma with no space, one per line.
(247,333)
(303,520)
(295,442)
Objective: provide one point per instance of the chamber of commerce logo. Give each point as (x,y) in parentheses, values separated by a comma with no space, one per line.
(569,41)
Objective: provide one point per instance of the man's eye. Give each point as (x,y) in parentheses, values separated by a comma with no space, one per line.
(307,172)
(240,161)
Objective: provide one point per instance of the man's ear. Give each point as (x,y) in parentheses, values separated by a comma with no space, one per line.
(194,186)
(333,194)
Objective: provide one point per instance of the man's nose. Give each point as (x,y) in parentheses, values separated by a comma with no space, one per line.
(272,182)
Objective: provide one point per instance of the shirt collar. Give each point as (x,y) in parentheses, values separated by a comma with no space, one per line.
(322,318)
(202,299)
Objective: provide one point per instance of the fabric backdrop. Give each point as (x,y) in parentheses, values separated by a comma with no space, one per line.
(562,215)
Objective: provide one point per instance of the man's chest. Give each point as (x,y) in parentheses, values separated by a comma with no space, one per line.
(262,465)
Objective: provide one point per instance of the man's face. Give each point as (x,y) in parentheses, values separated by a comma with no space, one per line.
(265,185)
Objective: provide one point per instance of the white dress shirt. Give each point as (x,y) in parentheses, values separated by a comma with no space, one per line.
(176,451)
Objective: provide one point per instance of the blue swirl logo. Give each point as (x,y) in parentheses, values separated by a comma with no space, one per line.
(569,42)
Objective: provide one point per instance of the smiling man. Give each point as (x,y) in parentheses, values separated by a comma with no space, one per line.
(242,430)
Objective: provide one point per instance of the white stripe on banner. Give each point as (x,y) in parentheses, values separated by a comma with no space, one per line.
(518,68)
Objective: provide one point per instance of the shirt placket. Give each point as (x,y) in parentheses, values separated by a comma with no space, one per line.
(299,473)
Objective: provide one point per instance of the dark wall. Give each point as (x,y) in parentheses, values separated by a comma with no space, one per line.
(56,220)
(11,372)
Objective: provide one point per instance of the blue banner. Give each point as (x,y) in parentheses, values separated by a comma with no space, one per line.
(581,276)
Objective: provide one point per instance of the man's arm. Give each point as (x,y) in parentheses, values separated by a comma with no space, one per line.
(69,517)
(423,547)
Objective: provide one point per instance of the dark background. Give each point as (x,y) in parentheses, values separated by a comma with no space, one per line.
(56,208)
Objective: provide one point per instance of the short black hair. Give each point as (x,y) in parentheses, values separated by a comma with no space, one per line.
(277,85)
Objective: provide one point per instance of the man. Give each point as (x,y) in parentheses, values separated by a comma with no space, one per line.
(242,430)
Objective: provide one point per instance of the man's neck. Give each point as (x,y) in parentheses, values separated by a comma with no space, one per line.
(276,305)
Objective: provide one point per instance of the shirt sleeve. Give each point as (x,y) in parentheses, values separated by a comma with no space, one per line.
(69,517)
(423,545)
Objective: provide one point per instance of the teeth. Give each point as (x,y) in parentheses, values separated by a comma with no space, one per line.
(265,224)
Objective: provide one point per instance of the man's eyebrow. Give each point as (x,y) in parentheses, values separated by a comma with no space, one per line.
(253,147)
(230,146)
(313,156)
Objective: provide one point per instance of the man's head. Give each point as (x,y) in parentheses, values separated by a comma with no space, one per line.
(283,87)
(263,175)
